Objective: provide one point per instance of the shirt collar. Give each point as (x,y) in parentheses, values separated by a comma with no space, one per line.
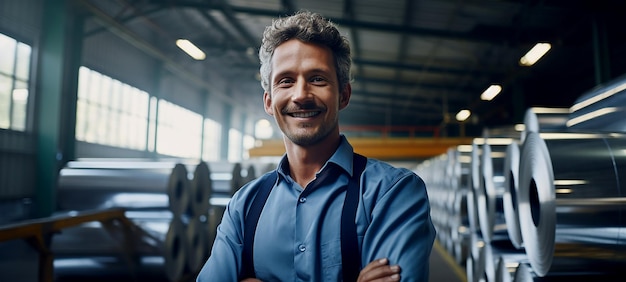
(341,158)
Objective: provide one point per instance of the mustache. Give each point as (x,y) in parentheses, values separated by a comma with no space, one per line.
(302,107)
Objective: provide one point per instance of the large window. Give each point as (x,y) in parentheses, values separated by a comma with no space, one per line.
(234,145)
(212,139)
(110,112)
(248,143)
(14,76)
(179,131)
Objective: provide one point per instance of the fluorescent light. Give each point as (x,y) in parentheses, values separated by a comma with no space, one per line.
(462,115)
(491,92)
(535,54)
(190,49)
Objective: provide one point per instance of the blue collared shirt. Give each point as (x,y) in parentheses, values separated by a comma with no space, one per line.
(298,234)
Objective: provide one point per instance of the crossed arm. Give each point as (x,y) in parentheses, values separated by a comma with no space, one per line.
(376,271)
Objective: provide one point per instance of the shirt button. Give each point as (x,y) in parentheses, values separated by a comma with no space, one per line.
(302,248)
(302,200)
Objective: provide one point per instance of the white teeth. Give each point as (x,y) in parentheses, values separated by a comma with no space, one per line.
(304,115)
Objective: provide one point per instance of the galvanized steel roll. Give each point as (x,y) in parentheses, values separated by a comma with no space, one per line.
(176,250)
(601,109)
(504,271)
(459,227)
(198,245)
(570,202)
(226,176)
(509,198)
(489,196)
(525,273)
(472,212)
(201,190)
(130,184)
(540,119)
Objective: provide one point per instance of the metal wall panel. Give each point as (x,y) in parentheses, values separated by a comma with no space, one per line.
(17,165)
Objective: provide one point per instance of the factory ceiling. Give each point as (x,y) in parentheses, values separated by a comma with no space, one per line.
(416,63)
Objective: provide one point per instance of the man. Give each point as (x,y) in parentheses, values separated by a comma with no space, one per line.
(305,70)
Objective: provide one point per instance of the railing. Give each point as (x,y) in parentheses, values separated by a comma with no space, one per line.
(38,233)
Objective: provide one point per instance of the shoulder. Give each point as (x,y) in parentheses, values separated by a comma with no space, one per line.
(385,172)
(380,177)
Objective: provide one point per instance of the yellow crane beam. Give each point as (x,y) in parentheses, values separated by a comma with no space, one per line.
(379,148)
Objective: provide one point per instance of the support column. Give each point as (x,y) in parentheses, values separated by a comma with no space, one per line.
(601,59)
(227,120)
(59,56)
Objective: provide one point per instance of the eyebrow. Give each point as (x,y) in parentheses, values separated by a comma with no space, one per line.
(314,71)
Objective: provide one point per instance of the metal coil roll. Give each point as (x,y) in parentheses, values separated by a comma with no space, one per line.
(472,212)
(197,240)
(129,184)
(226,176)
(509,198)
(570,202)
(601,109)
(459,227)
(201,190)
(176,250)
(489,196)
(525,273)
(538,119)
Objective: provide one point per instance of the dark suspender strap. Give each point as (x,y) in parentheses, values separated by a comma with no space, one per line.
(350,254)
(251,221)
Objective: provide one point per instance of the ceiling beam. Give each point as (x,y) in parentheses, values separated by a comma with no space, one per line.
(484,37)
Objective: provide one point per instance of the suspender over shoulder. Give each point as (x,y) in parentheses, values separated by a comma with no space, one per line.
(350,254)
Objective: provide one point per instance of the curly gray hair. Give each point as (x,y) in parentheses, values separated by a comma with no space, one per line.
(306,27)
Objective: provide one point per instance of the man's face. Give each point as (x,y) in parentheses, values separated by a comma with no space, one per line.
(305,97)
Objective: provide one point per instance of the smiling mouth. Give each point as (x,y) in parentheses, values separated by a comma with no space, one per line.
(304,114)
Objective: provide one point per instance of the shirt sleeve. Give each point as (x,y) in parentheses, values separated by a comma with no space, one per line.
(401,228)
(225,259)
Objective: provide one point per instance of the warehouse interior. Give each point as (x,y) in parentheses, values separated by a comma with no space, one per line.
(119,150)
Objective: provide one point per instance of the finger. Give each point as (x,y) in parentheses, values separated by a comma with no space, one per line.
(376,263)
(380,270)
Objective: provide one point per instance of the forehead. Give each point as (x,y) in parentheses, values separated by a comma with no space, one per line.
(295,55)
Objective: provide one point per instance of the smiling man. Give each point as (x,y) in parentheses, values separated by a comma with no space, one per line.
(325,213)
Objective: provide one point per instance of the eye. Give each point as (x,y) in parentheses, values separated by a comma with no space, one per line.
(318,80)
(285,82)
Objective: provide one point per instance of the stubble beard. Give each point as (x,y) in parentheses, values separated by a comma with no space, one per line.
(306,135)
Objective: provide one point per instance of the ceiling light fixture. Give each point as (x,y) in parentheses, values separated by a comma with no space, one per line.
(491,92)
(190,49)
(534,54)
(463,115)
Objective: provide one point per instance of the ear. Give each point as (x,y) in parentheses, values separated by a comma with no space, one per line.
(344,96)
(267,103)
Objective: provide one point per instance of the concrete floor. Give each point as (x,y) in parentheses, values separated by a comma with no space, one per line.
(18,262)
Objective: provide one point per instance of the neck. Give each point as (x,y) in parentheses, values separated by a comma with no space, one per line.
(305,161)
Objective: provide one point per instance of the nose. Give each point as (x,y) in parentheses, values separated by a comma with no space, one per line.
(301,92)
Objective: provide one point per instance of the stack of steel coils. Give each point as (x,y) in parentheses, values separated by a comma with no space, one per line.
(180,203)
(544,203)
(167,198)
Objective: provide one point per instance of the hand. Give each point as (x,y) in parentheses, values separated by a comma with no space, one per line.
(380,270)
